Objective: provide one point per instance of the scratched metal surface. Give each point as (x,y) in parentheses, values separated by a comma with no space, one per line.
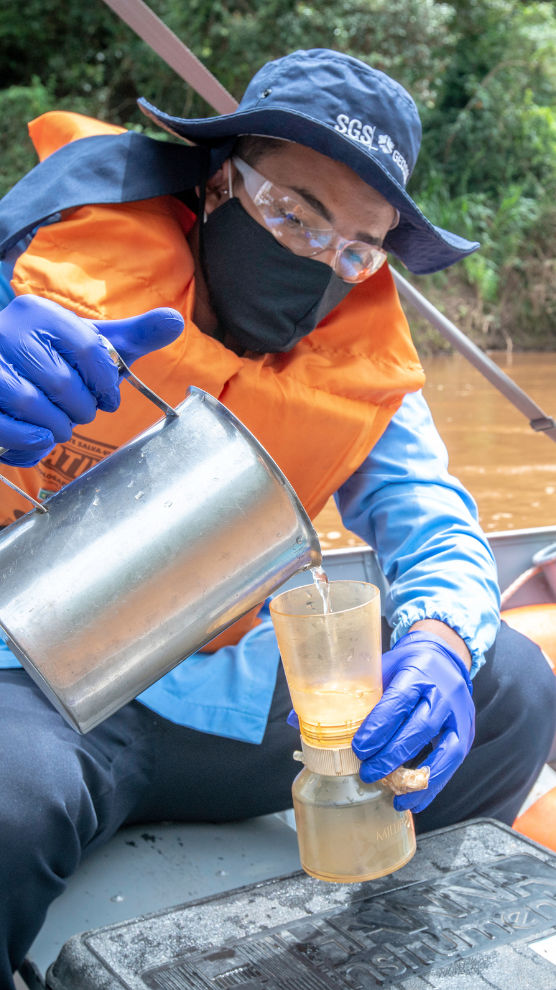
(459,916)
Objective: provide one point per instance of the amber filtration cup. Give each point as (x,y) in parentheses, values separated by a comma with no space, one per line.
(332,662)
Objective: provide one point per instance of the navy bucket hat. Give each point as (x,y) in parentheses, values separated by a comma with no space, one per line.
(350,112)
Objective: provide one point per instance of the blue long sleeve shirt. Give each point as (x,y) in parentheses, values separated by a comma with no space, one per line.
(424,526)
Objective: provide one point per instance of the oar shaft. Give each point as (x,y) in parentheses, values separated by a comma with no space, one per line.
(141,19)
(538,419)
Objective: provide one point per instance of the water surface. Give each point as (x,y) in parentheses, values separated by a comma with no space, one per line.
(509,469)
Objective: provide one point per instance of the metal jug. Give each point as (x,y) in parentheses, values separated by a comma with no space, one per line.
(147,557)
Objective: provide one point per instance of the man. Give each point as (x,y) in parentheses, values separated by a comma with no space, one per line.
(283,307)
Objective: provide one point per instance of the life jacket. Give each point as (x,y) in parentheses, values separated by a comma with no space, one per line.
(318,409)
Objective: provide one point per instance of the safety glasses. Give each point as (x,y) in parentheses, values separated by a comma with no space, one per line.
(303,231)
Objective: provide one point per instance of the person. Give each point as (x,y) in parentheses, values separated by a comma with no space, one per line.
(251,263)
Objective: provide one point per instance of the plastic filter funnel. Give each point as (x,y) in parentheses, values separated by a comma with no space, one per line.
(332,662)
(348,831)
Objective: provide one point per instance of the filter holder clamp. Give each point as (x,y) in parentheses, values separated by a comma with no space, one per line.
(343,762)
(330,762)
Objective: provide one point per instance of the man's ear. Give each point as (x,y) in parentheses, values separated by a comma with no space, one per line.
(218,187)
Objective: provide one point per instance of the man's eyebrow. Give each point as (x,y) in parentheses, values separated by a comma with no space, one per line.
(315,203)
(325,213)
(369,239)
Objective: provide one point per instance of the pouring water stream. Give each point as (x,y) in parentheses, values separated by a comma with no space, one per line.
(320,577)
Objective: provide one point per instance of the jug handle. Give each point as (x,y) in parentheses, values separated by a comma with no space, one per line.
(133,380)
(10,484)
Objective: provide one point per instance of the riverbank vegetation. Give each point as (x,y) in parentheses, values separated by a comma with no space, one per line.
(483,73)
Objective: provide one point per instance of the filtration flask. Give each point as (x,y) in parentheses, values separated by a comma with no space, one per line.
(348,831)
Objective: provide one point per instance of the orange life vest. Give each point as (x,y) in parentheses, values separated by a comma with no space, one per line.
(318,409)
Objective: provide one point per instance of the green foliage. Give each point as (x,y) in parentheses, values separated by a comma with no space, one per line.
(488,165)
(403,37)
(19,104)
(493,124)
(85,51)
(483,73)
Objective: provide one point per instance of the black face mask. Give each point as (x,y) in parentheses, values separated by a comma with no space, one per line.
(265,296)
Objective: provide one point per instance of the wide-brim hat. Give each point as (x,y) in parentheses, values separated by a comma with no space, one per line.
(349,112)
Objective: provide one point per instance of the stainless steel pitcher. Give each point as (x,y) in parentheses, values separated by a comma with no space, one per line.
(147,557)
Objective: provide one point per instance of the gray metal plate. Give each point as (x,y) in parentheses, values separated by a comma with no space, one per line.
(459,916)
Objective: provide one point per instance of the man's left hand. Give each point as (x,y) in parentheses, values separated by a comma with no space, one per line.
(427,699)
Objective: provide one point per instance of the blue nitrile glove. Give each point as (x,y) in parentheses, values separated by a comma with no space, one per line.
(139,335)
(427,699)
(55,372)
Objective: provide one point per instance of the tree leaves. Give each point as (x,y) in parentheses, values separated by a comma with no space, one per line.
(483,74)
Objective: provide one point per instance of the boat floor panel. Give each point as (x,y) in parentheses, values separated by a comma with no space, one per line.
(147,868)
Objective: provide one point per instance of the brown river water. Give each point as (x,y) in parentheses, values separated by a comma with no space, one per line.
(509,469)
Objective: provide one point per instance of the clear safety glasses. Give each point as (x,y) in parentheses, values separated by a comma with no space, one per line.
(304,232)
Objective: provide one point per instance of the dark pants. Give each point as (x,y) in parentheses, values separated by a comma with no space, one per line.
(62,794)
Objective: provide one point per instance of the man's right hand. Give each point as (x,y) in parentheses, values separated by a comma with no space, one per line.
(427,699)
(55,372)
